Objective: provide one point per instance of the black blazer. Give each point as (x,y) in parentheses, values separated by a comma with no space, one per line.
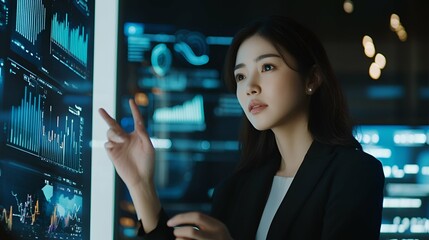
(337,193)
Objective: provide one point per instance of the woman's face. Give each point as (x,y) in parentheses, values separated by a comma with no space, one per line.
(269,91)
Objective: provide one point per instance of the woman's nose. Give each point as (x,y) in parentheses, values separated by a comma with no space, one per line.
(252,91)
(253,86)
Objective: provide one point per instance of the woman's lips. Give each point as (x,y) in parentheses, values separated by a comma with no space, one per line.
(256,107)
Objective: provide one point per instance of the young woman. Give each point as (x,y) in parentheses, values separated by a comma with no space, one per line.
(302,173)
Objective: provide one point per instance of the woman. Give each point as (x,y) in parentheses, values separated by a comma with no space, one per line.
(302,173)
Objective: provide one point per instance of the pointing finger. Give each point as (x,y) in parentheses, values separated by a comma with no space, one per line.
(107,118)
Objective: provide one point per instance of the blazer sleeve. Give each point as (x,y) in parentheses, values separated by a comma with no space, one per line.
(354,208)
(161,232)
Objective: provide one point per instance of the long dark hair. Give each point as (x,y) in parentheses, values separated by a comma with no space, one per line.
(329,121)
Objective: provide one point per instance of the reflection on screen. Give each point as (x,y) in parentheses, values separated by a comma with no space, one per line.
(192,121)
(45,118)
(404,153)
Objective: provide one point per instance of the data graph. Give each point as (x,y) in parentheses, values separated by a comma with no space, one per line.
(185,116)
(54,138)
(30,19)
(27,211)
(61,142)
(44,206)
(26,122)
(46,103)
(41,125)
(66,215)
(74,41)
(191,111)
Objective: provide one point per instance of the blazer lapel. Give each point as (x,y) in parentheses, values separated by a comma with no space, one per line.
(252,198)
(314,164)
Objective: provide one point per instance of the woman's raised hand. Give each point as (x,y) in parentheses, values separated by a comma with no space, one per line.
(132,153)
(133,156)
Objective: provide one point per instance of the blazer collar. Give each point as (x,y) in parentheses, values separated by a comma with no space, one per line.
(252,198)
(255,190)
(311,170)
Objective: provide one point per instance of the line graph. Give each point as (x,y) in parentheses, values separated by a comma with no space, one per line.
(26,211)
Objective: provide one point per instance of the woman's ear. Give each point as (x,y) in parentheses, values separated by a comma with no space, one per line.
(314,80)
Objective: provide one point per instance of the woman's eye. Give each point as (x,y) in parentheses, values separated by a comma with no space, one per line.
(239,77)
(267,67)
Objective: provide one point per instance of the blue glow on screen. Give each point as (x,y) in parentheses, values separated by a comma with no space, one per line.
(190,117)
(46,84)
(404,152)
(385,92)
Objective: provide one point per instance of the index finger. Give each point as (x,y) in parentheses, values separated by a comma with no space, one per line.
(107,118)
(138,120)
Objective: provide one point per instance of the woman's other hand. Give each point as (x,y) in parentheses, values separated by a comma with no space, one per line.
(195,225)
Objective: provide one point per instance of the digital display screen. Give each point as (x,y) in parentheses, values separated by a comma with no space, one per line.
(189,115)
(404,152)
(46,79)
(175,75)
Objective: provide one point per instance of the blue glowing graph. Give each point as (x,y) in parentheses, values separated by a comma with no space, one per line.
(30,25)
(192,46)
(45,206)
(46,75)
(36,126)
(66,214)
(30,19)
(52,36)
(72,40)
(404,152)
(191,111)
(56,139)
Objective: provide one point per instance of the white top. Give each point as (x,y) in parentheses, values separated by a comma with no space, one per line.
(278,192)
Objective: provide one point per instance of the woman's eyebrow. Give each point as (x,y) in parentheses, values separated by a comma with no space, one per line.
(240,65)
(259,58)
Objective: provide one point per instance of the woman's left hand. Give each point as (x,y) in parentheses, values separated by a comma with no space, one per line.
(195,225)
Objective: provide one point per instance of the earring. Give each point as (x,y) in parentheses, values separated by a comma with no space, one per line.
(309,91)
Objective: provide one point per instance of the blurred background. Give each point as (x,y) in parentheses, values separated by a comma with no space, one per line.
(170,58)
